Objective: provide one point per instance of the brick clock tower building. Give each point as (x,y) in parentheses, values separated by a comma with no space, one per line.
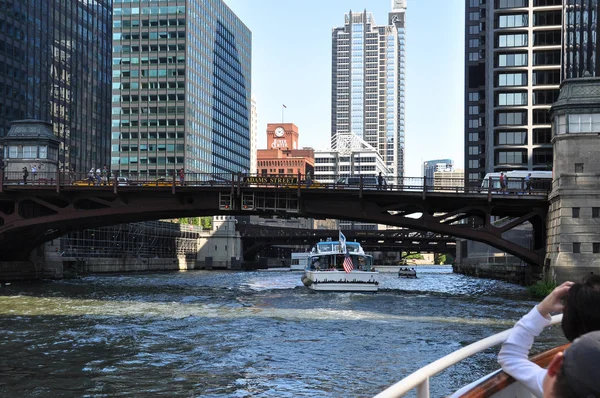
(282,156)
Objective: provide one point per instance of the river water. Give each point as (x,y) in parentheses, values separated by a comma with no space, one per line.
(246,334)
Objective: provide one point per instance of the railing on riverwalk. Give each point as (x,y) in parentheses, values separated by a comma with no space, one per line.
(419,380)
(290,181)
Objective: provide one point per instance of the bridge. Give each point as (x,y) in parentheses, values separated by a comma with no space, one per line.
(257,237)
(35,213)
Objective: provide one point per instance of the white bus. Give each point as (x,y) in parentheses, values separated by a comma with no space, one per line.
(515,180)
(299,261)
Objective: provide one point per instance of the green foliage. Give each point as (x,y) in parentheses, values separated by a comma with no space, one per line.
(541,289)
(439,259)
(413,256)
(206,222)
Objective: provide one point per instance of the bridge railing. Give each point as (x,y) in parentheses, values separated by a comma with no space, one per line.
(180,178)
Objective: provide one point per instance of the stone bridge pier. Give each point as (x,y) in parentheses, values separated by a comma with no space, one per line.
(573,232)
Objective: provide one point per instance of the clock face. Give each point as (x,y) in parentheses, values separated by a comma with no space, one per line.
(279,132)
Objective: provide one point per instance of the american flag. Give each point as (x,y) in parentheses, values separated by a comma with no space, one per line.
(348,265)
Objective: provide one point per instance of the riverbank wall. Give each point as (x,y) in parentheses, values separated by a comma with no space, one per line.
(483,261)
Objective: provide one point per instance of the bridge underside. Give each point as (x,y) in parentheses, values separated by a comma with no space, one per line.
(29,218)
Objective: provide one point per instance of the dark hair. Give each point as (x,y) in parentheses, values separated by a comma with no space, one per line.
(582,308)
(561,386)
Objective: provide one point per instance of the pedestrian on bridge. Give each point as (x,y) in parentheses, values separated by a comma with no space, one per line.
(379,182)
(181,176)
(308,179)
(25,175)
(528,183)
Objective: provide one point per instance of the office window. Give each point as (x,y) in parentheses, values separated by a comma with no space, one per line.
(473,43)
(474,164)
(545,97)
(474,56)
(474,16)
(511,118)
(474,150)
(542,156)
(473,137)
(511,137)
(511,79)
(578,167)
(595,247)
(541,116)
(474,97)
(542,136)
(575,212)
(505,60)
(595,212)
(512,21)
(473,110)
(511,157)
(546,57)
(544,77)
(576,247)
(474,177)
(512,3)
(546,38)
(512,40)
(547,18)
(474,29)
(511,99)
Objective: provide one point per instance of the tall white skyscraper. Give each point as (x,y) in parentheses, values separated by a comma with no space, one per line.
(368,80)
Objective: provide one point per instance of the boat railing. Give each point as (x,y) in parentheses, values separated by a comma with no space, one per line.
(420,378)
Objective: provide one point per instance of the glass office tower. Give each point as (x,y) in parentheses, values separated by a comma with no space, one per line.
(181,88)
(368,79)
(55,60)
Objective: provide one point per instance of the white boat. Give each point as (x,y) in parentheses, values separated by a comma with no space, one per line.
(407,273)
(326,270)
(494,385)
(299,261)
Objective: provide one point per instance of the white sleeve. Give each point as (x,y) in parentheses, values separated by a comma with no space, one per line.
(514,354)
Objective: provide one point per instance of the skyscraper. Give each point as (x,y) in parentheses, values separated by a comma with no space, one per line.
(55,60)
(368,78)
(512,76)
(430,167)
(181,88)
(580,39)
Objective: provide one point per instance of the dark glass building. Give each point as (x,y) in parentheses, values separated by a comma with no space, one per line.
(55,62)
(512,77)
(181,88)
(580,38)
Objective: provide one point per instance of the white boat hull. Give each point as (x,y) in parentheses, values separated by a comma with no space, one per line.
(340,281)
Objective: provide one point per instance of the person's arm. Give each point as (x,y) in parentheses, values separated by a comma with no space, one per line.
(514,354)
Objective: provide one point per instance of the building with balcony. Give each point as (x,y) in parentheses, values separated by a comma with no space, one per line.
(512,76)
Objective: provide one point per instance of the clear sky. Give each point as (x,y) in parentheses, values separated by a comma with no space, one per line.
(291,65)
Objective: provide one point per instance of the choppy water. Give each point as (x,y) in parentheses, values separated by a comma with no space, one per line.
(245,334)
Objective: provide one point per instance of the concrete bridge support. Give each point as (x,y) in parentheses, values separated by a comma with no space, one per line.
(573,230)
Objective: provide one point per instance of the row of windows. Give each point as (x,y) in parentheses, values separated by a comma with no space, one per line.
(149,60)
(151,97)
(149,35)
(146,85)
(148,148)
(149,73)
(146,160)
(577,247)
(578,123)
(30,152)
(513,98)
(133,23)
(148,122)
(518,137)
(149,10)
(148,48)
(157,110)
(151,135)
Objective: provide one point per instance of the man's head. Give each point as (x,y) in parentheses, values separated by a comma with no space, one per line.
(581,313)
(575,373)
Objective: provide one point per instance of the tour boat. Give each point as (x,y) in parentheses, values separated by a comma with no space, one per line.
(407,273)
(494,385)
(340,267)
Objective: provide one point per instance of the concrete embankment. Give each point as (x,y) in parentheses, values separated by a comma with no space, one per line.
(514,273)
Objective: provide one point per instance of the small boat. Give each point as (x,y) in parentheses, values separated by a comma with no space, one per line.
(333,269)
(407,273)
(299,261)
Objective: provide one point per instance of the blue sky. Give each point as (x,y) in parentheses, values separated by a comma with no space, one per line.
(291,65)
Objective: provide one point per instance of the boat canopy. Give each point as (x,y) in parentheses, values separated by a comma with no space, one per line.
(334,247)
